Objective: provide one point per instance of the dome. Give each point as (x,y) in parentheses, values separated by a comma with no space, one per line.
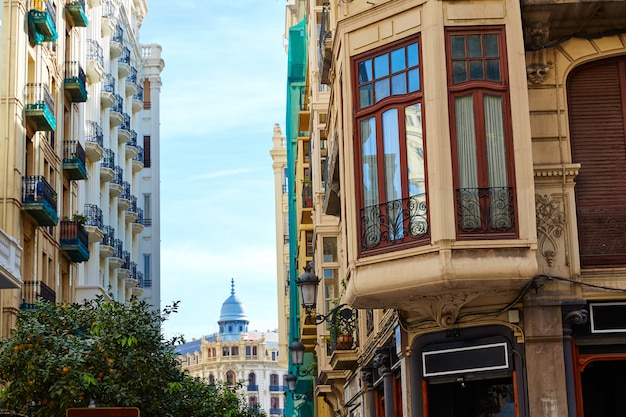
(233,309)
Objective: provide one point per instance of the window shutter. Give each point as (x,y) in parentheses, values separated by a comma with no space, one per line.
(596,114)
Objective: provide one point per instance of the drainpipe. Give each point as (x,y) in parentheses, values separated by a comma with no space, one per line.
(574,317)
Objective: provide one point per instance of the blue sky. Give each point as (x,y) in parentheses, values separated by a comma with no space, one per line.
(223,90)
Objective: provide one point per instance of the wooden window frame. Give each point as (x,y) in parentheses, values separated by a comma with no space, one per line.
(478,89)
(376,110)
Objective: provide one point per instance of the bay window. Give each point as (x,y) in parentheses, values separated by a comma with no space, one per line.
(481,133)
(390,148)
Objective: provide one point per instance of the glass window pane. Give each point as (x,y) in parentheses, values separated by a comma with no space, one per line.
(414,80)
(494,135)
(466,141)
(381,66)
(365,96)
(491,45)
(458,47)
(493,70)
(398,62)
(391,149)
(365,71)
(475,47)
(330,249)
(381,89)
(398,84)
(415,149)
(412,55)
(459,72)
(369,165)
(476,70)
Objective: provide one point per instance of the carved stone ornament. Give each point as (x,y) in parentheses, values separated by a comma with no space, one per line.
(575,317)
(550,226)
(445,308)
(536,73)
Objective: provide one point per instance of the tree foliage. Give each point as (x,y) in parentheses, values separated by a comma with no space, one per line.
(67,355)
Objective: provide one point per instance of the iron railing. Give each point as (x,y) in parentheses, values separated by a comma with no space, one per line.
(73,69)
(119,175)
(108,10)
(139,94)
(126,260)
(36,290)
(108,84)
(133,139)
(94,215)
(125,57)
(125,190)
(108,161)
(343,330)
(139,219)
(108,236)
(485,210)
(125,122)
(118,106)
(117,248)
(118,34)
(394,222)
(93,133)
(139,156)
(95,53)
(72,149)
(35,188)
(37,94)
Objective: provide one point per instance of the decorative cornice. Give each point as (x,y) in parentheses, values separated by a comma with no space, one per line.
(569,171)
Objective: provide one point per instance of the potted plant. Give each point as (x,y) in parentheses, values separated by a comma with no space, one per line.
(343,321)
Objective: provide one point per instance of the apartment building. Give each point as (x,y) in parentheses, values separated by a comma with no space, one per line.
(79,148)
(467,219)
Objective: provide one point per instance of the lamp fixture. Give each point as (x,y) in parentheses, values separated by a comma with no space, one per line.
(308,283)
(296,348)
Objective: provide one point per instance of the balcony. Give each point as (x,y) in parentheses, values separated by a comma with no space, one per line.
(39,200)
(11,261)
(116,187)
(95,61)
(116,46)
(343,339)
(107,244)
(131,82)
(74,240)
(123,201)
(394,223)
(107,166)
(39,110)
(94,225)
(107,94)
(137,100)
(124,269)
(116,260)
(131,146)
(276,411)
(138,160)
(278,388)
(123,64)
(116,113)
(109,17)
(41,22)
(75,82)
(123,133)
(252,388)
(131,281)
(74,160)
(33,291)
(139,288)
(94,141)
(76,10)
(325,46)
(137,225)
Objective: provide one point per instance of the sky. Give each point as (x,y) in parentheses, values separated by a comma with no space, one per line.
(223,90)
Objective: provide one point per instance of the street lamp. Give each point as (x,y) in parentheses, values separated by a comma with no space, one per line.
(291,382)
(307,283)
(297,357)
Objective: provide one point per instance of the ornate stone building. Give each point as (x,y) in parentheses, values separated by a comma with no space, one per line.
(456,174)
(237,355)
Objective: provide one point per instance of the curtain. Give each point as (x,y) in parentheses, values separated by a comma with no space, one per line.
(369,171)
(467,163)
(393,185)
(496,159)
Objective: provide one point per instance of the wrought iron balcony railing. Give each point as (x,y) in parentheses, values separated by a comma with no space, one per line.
(108,161)
(139,94)
(119,176)
(126,259)
(118,34)
(485,211)
(40,106)
(132,77)
(139,156)
(125,122)
(343,330)
(32,291)
(133,139)
(133,204)
(95,52)
(40,200)
(125,58)
(74,160)
(139,278)
(118,106)
(93,133)
(74,240)
(125,190)
(108,84)
(94,216)
(108,237)
(139,219)
(75,81)
(117,249)
(394,222)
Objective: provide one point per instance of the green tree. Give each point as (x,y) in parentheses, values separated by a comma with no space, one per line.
(67,355)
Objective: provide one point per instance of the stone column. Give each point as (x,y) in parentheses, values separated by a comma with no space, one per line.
(547,391)
(369,400)
(382,361)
